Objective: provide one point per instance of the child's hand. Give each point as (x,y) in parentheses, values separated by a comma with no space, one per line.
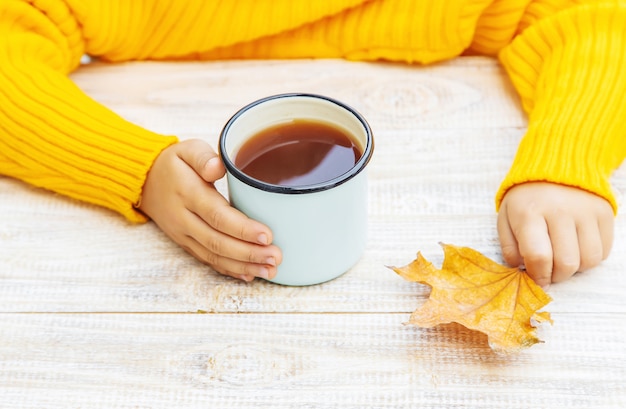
(554,230)
(179,196)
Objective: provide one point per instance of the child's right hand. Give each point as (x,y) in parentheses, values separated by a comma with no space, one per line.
(179,196)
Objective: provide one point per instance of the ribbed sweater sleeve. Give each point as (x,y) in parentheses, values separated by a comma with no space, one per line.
(51,134)
(569,71)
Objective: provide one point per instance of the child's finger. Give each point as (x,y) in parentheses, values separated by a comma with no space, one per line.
(213,208)
(221,244)
(606,224)
(590,244)
(227,266)
(202,159)
(508,243)
(535,248)
(565,251)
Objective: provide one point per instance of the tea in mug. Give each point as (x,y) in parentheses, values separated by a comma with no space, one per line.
(298,153)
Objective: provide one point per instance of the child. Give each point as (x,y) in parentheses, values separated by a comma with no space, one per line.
(564,57)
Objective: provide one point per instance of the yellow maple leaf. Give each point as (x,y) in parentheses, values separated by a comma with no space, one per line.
(480,294)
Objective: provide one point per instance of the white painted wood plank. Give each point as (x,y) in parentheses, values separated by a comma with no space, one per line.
(196,99)
(343,361)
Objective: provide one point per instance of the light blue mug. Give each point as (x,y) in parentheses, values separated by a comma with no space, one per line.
(320,228)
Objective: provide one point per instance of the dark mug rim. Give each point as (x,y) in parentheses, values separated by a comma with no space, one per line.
(269,187)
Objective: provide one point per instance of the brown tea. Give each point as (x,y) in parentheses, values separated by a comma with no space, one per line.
(298,153)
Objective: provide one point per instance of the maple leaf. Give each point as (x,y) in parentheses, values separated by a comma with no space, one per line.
(480,294)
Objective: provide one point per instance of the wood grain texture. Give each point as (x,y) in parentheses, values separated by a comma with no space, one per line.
(99,313)
(300,360)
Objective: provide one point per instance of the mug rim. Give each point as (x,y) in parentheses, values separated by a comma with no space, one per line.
(269,187)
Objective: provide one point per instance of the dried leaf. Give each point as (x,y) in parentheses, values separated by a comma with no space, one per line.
(480,294)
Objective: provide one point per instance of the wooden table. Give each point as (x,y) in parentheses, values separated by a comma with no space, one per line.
(98,313)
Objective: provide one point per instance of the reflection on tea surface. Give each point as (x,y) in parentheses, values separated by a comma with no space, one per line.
(298,153)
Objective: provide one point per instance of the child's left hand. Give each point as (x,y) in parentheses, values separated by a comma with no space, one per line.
(554,230)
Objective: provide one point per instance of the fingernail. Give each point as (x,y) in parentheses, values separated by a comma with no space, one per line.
(264,273)
(271,261)
(213,162)
(262,239)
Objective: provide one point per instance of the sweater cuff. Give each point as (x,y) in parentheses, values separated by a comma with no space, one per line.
(567,71)
(57,138)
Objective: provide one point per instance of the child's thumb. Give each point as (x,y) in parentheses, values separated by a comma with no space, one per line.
(202,159)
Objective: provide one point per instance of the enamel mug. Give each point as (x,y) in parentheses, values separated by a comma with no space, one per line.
(320,228)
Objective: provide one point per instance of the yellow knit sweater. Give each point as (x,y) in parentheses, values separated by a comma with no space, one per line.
(565,58)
